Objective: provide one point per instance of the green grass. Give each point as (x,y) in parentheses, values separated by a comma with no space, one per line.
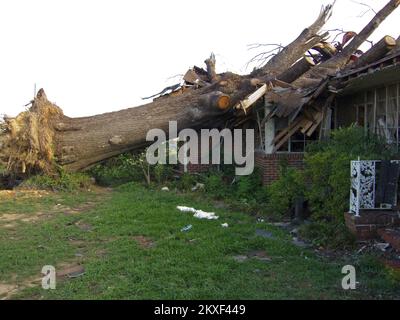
(175,267)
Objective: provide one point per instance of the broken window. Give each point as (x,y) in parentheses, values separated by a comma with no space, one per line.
(298,142)
(376,110)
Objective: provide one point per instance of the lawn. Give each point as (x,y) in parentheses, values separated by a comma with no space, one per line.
(129,243)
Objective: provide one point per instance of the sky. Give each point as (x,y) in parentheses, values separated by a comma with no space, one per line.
(97,56)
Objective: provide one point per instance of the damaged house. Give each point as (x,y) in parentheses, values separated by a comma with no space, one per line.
(366,93)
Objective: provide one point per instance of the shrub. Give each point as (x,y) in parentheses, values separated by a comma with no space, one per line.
(117,170)
(62,182)
(215,185)
(283,193)
(250,187)
(187,182)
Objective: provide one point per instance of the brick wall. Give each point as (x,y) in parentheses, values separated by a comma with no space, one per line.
(368,224)
(196,168)
(270,164)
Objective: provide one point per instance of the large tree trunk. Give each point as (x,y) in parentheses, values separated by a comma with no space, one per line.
(43,134)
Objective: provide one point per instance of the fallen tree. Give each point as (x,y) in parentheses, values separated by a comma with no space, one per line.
(43,138)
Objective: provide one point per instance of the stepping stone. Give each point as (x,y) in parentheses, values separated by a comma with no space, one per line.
(299,243)
(265,234)
(260,255)
(71,272)
(240,259)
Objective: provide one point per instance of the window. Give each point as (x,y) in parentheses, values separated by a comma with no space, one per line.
(377,111)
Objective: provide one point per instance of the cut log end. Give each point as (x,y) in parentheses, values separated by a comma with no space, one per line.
(223,102)
(390,41)
(216,100)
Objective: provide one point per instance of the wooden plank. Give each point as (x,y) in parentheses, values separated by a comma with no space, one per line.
(284,132)
(318,120)
(291,132)
(307,127)
(252,99)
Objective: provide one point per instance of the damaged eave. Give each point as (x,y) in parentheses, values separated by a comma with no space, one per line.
(384,71)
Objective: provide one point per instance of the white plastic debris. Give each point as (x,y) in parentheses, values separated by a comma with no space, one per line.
(165,189)
(199,214)
(205,215)
(225,225)
(186,209)
(382,246)
(199,186)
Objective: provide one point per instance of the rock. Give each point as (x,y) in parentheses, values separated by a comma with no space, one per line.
(240,259)
(280,224)
(299,243)
(73,271)
(265,234)
(225,225)
(260,255)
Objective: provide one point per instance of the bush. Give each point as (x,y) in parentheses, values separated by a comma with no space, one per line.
(130,167)
(283,193)
(250,187)
(187,182)
(63,182)
(117,170)
(215,185)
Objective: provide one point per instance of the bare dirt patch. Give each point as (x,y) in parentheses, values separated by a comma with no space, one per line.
(84,226)
(6,290)
(23,194)
(10,220)
(68,211)
(144,242)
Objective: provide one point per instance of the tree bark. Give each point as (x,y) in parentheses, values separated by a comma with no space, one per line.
(297,70)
